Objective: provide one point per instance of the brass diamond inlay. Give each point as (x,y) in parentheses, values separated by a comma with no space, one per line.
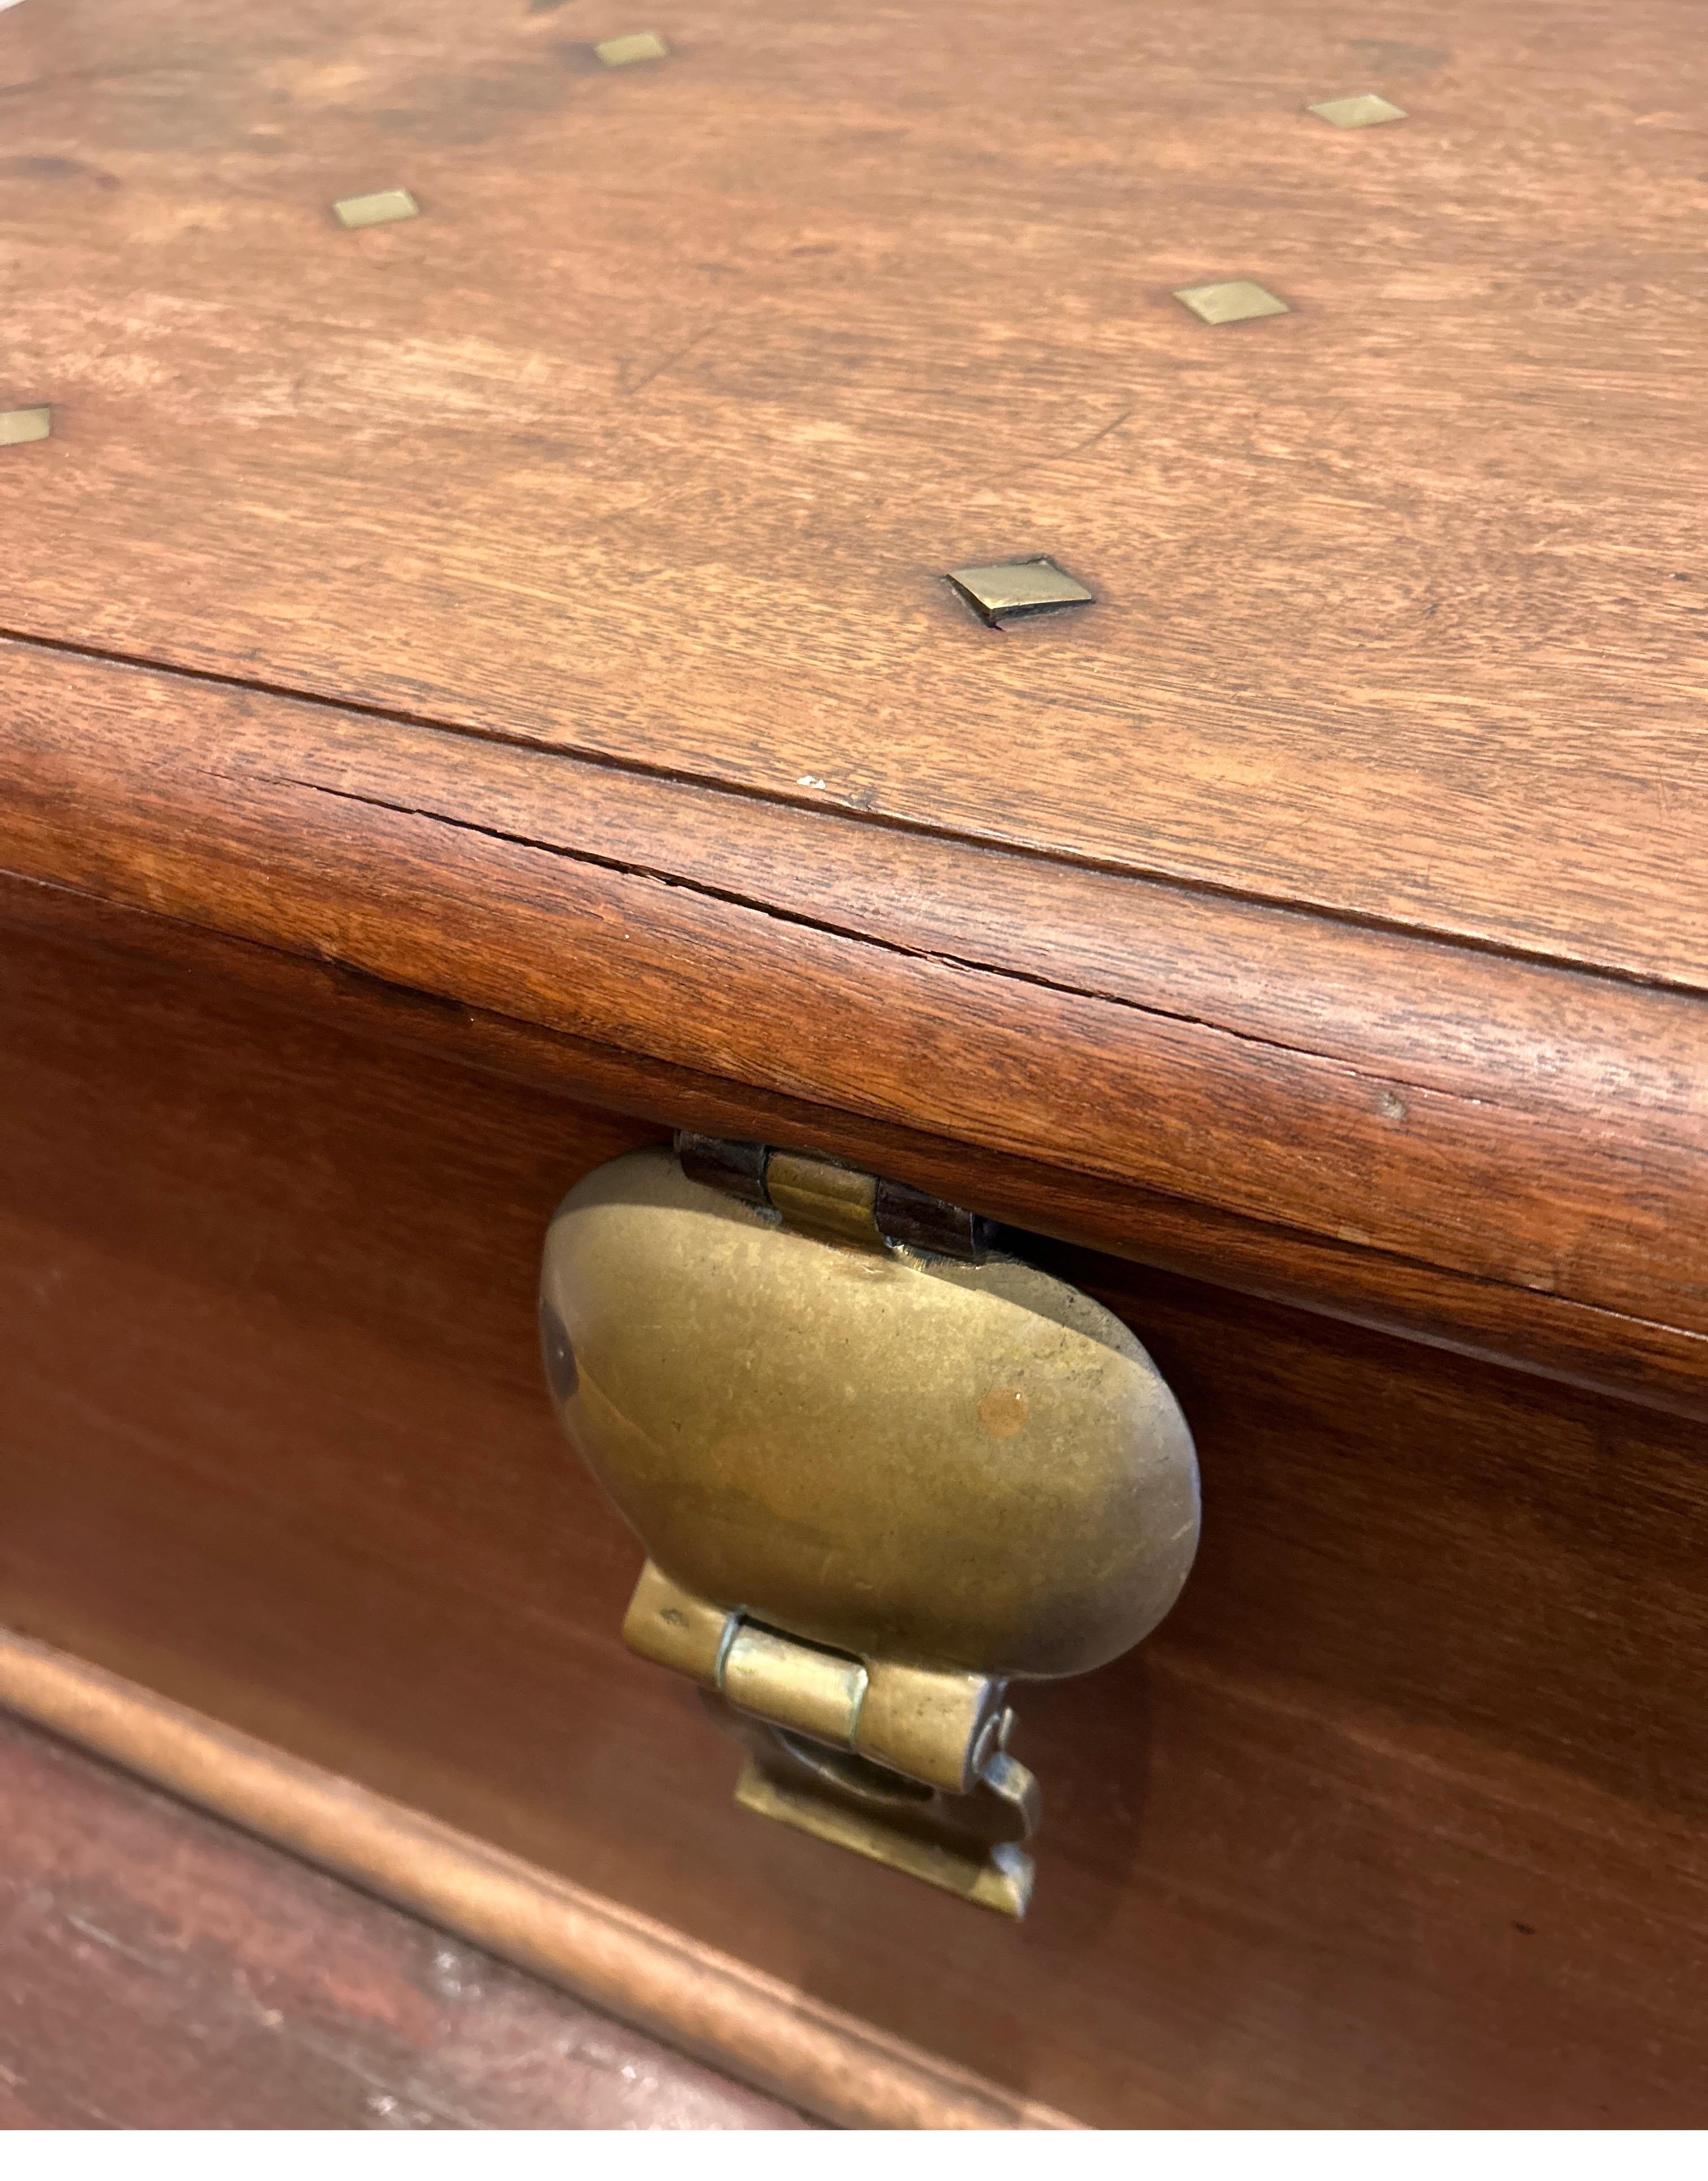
(638,46)
(1225,302)
(18,427)
(376,210)
(1363,111)
(1004,590)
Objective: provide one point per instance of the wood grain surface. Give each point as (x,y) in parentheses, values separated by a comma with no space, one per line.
(1638,1359)
(1320,889)
(819,2059)
(159,1970)
(654,434)
(1399,1820)
(518,636)
(1498,1123)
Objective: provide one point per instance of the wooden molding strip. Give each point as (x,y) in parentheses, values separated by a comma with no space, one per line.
(767,2032)
(1631,1359)
(1339,1086)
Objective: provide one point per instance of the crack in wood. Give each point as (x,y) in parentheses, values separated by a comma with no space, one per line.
(862,813)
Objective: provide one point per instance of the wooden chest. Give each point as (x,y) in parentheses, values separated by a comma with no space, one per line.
(483,691)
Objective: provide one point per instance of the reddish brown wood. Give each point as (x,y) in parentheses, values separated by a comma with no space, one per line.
(1399,1820)
(655,435)
(158,1969)
(1504,1122)
(770,2033)
(1657,1365)
(1305,911)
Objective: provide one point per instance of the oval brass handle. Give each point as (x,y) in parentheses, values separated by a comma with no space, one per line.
(875,1485)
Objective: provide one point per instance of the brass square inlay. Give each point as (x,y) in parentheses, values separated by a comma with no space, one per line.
(18,427)
(1363,111)
(638,46)
(1225,302)
(1002,590)
(374,211)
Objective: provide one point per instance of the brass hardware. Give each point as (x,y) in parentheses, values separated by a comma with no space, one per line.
(20,426)
(900,1214)
(1004,590)
(833,1202)
(973,1844)
(932,1726)
(1363,111)
(903,1764)
(1225,302)
(736,1168)
(637,46)
(794,1685)
(672,1627)
(376,209)
(875,1484)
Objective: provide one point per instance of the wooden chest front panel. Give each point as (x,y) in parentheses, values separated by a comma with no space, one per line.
(1400,1819)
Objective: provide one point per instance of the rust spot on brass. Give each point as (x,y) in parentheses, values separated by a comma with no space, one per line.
(1003,1414)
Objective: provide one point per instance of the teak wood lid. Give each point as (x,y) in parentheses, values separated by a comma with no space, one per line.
(539,603)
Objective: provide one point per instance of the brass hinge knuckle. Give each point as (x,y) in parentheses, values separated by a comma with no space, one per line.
(837,1203)
(933,1727)
(907,1764)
